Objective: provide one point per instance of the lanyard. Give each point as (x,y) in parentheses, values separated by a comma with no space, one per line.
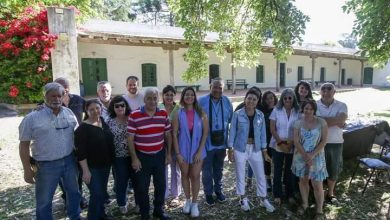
(211,105)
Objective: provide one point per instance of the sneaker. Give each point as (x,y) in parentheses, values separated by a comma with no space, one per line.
(123,209)
(210,200)
(267,205)
(245,204)
(332,200)
(221,197)
(187,207)
(194,210)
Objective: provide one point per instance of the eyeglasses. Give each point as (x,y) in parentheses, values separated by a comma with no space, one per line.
(287,98)
(329,88)
(119,105)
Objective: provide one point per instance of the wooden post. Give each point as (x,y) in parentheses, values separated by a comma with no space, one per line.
(64,57)
(171,68)
(340,68)
(277,86)
(233,75)
(361,72)
(313,69)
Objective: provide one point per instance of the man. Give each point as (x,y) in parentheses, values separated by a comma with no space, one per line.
(49,133)
(219,110)
(335,113)
(147,128)
(104,90)
(76,104)
(133,97)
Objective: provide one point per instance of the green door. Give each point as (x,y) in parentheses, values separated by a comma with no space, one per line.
(322,74)
(149,74)
(213,71)
(300,73)
(342,76)
(368,73)
(282,74)
(94,70)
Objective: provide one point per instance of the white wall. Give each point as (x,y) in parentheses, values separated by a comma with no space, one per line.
(380,75)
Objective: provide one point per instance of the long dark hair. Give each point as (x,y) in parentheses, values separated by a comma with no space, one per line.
(197,107)
(307,86)
(166,89)
(264,101)
(88,103)
(310,102)
(115,100)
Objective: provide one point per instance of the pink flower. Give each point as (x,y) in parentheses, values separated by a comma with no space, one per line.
(13,91)
(45,57)
(28,84)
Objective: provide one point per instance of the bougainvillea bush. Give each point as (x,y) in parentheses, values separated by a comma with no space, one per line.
(25,65)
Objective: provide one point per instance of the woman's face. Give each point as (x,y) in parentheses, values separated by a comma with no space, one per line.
(189,97)
(303,91)
(251,101)
(269,100)
(169,97)
(288,101)
(308,110)
(94,110)
(120,108)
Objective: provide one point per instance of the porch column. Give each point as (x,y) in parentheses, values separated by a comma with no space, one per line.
(361,72)
(277,86)
(64,57)
(233,75)
(171,68)
(340,68)
(313,69)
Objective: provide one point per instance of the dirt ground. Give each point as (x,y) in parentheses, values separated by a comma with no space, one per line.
(17,197)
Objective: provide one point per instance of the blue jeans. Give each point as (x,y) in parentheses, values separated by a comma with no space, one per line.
(97,192)
(212,171)
(123,173)
(49,174)
(282,166)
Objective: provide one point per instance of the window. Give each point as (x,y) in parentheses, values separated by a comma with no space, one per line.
(149,75)
(213,71)
(300,73)
(260,74)
(322,74)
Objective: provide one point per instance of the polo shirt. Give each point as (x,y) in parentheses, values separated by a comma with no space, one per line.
(335,133)
(148,131)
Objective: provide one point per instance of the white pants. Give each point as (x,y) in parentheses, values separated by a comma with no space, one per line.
(255,160)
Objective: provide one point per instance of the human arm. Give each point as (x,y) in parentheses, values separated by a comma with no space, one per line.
(338,120)
(86,172)
(321,144)
(168,139)
(263,138)
(175,133)
(135,163)
(232,136)
(205,132)
(24,153)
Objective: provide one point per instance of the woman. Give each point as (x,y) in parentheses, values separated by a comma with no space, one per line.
(303,91)
(119,111)
(268,102)
(247,142)
(95,149)
(169,104)
(190,129)
(282,119)
(310,134)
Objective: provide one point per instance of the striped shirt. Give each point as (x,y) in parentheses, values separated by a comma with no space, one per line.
(148,131)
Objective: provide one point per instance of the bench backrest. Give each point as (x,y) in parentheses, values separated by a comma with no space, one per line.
(238,81)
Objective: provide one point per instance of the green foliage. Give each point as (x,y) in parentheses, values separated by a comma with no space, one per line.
(243,26)
(372,28)
(348,41)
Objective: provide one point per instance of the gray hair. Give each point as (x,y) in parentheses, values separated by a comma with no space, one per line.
(54,86)
(63,81)
(102,83)
(217,79)
(288,92)
(328,84)
(150,90)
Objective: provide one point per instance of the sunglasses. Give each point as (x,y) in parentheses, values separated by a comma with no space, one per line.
(119,105)
(287,98)
(327,88)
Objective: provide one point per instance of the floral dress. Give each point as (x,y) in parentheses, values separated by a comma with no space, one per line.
(309,138)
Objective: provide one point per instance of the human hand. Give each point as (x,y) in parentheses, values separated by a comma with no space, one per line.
(231,156)
(29,176)
(86,176)
(197,157)
(136,164)
(179,159)
(168,159)
(267,157)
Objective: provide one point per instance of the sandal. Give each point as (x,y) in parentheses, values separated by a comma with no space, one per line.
(319,216)
(301,210)
(277,201)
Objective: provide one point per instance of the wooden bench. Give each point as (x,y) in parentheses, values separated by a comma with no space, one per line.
(239,82)
(322,82)
(183,86)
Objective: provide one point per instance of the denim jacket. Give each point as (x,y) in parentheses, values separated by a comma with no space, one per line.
(239,131)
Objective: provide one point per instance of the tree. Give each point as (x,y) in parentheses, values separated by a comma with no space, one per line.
(348,41)
(153,11)
(372,28)
(243,26)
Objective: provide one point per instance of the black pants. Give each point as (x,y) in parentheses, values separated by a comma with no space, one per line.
(152,165)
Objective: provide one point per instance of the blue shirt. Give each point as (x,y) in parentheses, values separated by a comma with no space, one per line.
(51,135)
(217,120)
(239,131)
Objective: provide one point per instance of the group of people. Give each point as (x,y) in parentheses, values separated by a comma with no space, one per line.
(136,137)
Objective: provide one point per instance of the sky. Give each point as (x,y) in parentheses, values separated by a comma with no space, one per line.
(327,20)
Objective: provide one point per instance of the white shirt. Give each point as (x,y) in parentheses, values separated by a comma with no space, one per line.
(135,101)
(284,125)
(335,133)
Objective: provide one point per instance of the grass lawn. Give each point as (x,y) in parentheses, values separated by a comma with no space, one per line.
(17,197)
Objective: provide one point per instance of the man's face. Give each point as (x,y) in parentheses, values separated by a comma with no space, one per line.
(104,93)
(327,93)
(54,99)
(151,100)
(216,89)
(132,86)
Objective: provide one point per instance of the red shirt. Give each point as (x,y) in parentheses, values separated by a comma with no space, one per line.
(148,131)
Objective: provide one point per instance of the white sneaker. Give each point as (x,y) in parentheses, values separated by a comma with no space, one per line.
(245,204)
(123,209)
(187,206)
(267,205)
(194,210)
